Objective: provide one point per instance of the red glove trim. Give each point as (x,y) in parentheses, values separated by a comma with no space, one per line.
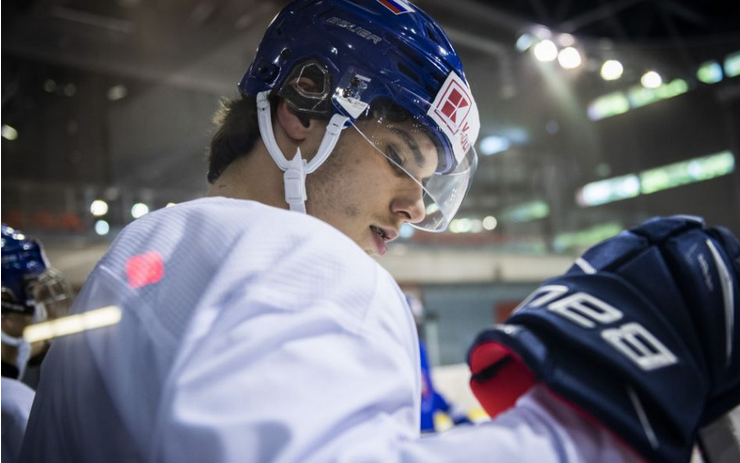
(502,389)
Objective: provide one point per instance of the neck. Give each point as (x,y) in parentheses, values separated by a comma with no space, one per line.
(254,177)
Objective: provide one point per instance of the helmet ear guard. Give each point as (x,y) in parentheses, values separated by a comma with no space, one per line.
(308,90)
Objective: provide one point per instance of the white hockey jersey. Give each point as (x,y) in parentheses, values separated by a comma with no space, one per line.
(254,334)
(16,405)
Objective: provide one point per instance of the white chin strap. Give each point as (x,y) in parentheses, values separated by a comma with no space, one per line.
(297,168)
(24,352)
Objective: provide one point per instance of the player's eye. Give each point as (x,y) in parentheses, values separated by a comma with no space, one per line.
(395,159)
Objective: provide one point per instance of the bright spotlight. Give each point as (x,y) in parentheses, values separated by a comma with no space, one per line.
(524,42)
(611,70)
(98,208)
(117,92)
(9,133)
(406,231)
(50,86)
(139,209)
(102,227)
(490,222)
(569,58)
(546,51)
(710,72)
(566,40)
(493,144)
(651,79)
(465,225)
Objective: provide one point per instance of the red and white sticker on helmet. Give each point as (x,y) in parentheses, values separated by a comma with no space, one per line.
(397,6)
(456,113)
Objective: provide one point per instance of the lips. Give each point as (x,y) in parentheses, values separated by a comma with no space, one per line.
(381,236)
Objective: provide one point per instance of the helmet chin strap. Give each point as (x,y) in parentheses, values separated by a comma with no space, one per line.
(24,351)
(297,168)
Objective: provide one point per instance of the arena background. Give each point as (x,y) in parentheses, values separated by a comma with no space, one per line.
(106,108)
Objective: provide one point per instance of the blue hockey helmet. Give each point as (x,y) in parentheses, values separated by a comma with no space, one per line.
(376,60)
(29,285)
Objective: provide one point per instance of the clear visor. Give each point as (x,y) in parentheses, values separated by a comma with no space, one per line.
(409,148)
(430,141)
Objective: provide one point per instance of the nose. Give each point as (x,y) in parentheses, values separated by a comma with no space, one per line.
(409,203)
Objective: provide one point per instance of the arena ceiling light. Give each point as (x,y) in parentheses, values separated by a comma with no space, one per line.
(566,40)
(139,210)
(611,70)
(406,231)
(117,92)
(493,144)
(732,64)
(527,212)
(102,227)
(709,72)
(569,58)
(490,223)
(609,190)
(651,79)
(9,133)
(98,208)
(636,96)
(545,51)
(50,86)
(524,42)
(657,179)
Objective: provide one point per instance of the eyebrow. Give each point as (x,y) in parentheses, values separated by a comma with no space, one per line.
(411,143)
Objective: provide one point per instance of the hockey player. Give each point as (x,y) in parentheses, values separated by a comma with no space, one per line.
(253,333)
(32,291)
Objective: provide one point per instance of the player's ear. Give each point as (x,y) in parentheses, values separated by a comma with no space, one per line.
(296,125)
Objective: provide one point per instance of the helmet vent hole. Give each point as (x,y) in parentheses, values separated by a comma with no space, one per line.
(432,35)
(409,72)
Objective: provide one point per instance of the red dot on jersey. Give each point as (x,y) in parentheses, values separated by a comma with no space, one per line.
(144,269)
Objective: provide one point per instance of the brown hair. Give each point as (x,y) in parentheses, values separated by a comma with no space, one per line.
(236,133)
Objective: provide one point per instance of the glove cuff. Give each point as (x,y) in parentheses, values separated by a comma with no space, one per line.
(499,377)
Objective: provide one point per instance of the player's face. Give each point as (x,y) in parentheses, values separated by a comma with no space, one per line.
(360,189)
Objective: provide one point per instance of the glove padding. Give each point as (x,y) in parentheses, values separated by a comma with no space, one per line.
(640,333)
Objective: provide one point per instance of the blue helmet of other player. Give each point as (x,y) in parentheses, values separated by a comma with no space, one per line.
(23,262)
(384,62)
(31,289)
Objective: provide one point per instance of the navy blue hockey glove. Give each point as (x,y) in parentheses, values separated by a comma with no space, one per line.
(641,333)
